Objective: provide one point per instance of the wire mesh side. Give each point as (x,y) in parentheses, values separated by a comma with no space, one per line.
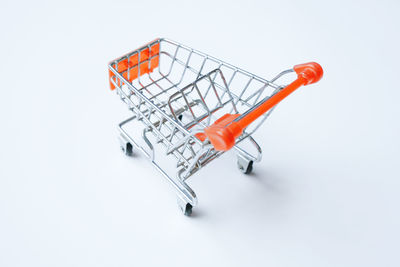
(209,102)
(182,65)
(156,82)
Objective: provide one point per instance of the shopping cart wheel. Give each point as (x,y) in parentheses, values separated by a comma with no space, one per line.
(186,208)
(245,165)
(126,147)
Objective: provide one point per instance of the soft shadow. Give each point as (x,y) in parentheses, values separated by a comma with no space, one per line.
(197,213)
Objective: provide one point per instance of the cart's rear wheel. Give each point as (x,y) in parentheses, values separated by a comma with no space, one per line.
(185,207)
(245,166)
(188,210)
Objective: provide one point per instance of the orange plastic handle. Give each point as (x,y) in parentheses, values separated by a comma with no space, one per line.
(224,131)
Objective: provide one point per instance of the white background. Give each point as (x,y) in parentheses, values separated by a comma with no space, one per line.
(325,194)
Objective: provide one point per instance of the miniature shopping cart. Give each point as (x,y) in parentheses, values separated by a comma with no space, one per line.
(195,107)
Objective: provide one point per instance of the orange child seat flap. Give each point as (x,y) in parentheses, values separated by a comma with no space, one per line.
(131,68)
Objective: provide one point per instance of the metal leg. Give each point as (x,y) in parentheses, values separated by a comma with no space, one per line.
(187,199)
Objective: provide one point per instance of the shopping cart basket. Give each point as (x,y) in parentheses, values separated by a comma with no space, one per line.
(196,107)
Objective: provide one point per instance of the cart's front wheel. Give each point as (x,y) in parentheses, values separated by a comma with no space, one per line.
(126,147)
(245,166)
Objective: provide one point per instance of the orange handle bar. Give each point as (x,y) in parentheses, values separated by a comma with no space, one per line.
(224,131)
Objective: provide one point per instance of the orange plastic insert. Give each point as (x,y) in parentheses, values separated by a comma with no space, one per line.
(223,132)
(131,68)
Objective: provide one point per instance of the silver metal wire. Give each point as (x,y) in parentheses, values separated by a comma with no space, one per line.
(185,92)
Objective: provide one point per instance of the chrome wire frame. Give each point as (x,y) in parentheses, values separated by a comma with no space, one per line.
(187,92)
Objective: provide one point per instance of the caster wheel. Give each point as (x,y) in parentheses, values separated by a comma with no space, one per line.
(245,166)
(186,208)
(127,149)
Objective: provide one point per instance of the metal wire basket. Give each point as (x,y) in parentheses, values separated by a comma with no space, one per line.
(195,106)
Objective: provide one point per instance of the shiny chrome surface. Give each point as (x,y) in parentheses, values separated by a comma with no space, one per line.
(187,92)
